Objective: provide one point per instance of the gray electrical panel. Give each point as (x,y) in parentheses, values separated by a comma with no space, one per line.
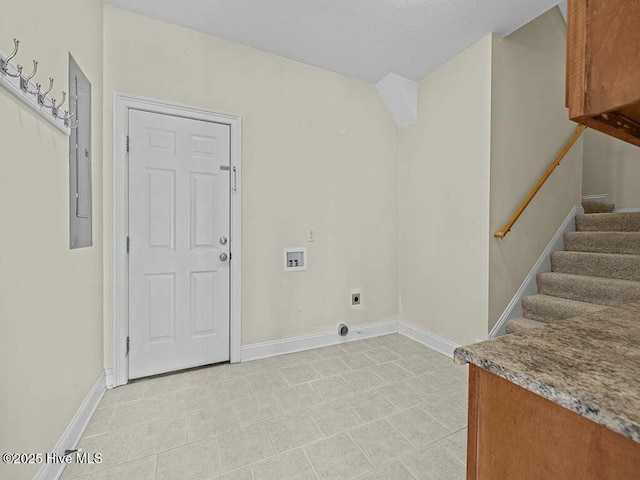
(80,212)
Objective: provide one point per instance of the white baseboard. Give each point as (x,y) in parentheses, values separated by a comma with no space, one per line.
(529,285)
(626,210)
(256,351)
(110,377)
(428,339)
(601,197)
(72,434)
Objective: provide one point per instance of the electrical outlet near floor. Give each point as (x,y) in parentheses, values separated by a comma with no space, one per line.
(355,299)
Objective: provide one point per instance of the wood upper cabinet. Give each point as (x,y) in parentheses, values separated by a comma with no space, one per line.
(603,66)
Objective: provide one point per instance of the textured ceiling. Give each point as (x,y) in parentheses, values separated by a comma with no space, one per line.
(365,39)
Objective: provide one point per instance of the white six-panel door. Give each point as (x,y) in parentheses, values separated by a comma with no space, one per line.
(179,243)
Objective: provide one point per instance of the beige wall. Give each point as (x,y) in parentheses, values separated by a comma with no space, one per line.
(611,166)
(444,200)
(50,296)
(319,151)
(406,215)
(529,126)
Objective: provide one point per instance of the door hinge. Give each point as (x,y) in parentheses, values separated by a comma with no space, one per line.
(127,352)
(128,244)
(230,255)
(127,143)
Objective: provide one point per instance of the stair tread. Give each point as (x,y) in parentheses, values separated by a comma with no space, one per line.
(603,242)
(629,256)
(610,215)
(589,278)
(600,290)
(597,264)
(522,325)
(597,206)
(566,301)
(549,309)
(608,222)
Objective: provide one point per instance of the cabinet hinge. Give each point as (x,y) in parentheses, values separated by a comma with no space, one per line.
(127,143)
(127,352)
(128,244)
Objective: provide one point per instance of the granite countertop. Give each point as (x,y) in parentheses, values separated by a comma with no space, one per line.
(588,364)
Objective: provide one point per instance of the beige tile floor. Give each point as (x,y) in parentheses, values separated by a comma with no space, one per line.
(385,408)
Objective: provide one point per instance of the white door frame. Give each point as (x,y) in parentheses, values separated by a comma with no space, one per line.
(122,103)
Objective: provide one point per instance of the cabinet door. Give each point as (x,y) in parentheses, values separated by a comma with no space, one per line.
(603,66)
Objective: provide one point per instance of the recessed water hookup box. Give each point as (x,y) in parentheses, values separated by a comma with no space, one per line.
(295,259)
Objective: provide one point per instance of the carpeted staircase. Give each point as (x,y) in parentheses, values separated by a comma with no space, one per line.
(599,268)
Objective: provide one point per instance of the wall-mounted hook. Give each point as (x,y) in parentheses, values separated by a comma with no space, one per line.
(67,120)
(69,115)
(75,107)
(56,108)
(4,63)
(24,82)
(42,97)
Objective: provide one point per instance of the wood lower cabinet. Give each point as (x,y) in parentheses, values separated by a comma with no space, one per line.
(603,66)
(515,434)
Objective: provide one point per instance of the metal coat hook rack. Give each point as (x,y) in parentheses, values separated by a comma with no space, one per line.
(31,94)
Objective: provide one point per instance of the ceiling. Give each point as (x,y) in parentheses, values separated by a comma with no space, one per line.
(364,39)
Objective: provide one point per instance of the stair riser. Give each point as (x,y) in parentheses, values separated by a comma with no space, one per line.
(600,292)
(620,267)
(552,313)
(522,325)
(608,222)
(593,206)
(601,242)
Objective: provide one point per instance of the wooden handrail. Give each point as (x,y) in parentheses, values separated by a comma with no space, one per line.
(514,218)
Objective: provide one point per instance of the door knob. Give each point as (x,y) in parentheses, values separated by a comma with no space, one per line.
(223,240)
(223,257)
